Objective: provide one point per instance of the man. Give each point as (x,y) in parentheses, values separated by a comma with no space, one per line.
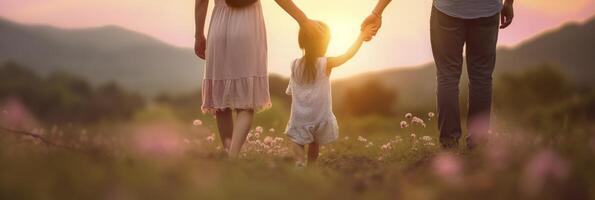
(456,24)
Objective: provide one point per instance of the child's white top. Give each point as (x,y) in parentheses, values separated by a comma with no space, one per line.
(311,102)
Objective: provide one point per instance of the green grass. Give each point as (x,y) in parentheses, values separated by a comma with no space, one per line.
(181,163)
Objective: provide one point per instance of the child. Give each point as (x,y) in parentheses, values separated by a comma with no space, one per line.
(312,121)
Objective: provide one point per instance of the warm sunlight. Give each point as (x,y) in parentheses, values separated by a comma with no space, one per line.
(556,7)
(343,34)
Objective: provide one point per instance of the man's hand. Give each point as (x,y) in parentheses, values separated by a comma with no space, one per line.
(506,15)
(200,46)
(373,22)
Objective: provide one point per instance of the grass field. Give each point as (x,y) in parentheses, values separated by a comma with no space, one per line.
(160,157)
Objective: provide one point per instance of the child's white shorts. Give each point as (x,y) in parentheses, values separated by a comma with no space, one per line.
(322,133)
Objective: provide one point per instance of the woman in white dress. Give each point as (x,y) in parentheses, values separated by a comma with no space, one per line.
(236,77)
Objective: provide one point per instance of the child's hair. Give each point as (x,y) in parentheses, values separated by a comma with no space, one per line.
(313,46)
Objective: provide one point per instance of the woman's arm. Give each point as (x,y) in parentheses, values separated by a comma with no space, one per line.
(340,60)
(200,15)
(292,10)
(311,27)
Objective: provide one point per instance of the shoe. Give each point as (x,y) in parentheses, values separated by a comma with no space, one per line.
(474,143)
(449,144)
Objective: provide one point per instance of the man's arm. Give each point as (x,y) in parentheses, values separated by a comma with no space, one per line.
(507,14)
(200,15)
(380,6)
(375,19)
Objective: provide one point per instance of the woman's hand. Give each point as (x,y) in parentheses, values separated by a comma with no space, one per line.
(200,46)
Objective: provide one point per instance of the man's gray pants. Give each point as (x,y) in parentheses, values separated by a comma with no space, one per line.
(449,36)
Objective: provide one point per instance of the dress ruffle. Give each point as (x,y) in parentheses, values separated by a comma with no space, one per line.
(242,93)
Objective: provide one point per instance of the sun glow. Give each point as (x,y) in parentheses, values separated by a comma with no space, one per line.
(343,20)
(556,7)
(343,35)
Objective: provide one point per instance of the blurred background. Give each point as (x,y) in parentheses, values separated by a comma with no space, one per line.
(103,97)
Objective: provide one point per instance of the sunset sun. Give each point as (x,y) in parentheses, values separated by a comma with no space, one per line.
(343,34)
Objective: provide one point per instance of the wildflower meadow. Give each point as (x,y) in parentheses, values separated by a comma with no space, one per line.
(160,158)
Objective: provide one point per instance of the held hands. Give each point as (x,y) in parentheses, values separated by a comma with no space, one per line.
(200,46)
(373,23)
(368,33)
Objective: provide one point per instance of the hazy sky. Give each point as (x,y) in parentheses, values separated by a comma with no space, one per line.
(403,41)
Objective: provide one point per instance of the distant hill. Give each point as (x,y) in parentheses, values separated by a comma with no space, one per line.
(102,54)
(570,47)
(142,63)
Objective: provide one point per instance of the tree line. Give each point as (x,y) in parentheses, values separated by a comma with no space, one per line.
(61,97)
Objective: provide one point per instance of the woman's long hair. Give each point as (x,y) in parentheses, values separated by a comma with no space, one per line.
(314,47)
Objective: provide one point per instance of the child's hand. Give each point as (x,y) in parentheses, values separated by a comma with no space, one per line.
(368,33)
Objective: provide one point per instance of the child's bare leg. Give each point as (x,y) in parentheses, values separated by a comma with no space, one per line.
(225,126)
(240,131)
(299,153)
(313,150)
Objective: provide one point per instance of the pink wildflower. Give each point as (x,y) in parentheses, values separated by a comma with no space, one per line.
(211,138)
(268,140)
(448,167)
(404,124)
(361,139)
(431,114)
(259,129)
(544,167)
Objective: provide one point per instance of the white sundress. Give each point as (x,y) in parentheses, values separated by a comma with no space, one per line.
(312,118)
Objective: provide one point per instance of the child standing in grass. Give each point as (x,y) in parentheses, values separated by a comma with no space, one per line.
(312,121)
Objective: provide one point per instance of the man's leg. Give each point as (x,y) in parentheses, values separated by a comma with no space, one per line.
(448,37)
(481,58)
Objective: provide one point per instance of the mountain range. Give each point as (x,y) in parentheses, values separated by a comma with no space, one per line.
(102,54)
(145,64)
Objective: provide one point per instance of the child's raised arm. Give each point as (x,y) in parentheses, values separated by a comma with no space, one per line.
(342,59)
